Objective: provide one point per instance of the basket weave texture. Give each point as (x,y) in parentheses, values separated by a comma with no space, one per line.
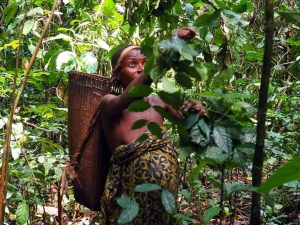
(88,152)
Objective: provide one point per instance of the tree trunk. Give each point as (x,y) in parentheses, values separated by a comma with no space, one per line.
(258,159)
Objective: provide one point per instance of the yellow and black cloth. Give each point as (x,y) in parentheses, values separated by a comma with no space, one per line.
(150,161)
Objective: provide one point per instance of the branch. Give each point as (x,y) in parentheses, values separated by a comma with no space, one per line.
(6,149)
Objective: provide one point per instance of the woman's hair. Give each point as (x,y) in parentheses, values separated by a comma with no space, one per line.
(116,87)
(116,56)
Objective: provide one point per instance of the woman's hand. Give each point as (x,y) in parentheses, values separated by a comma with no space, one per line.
(185,33)
(193,107)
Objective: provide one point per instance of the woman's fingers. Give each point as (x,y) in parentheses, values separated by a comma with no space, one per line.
(193,106)
(186,33)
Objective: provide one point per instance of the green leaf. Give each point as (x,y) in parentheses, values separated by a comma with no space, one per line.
(142,138)
(108,8)
(125,201)
(10,11)
(202,70)
(146,187)
(66,61)
(208,19)
(216,154)
(138,106)
(293,17)
(130,209)
(210,213)
(198,137)
(289,172)
(22,213)
(168,201)
(196,171)
(28,25)
(204,126)
(222,139)
(60,36)
(247,148)
(173,99)
(190,120)
(102,44)
(293,42)
(34,11)
(186,194)
(89,62)
(236,186)
(155,129)
(168,85)
(139,124)
(139,90)
(221,4)
(184,80)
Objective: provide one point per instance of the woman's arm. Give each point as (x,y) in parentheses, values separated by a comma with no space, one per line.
(112,106)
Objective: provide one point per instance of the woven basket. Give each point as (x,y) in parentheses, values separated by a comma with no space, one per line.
(88,152)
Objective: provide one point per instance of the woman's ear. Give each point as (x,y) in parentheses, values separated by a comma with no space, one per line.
(118,74)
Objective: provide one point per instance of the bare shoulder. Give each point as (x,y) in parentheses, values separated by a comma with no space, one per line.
(106,104)
(106,99)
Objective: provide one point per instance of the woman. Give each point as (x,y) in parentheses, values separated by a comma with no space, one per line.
(136,162)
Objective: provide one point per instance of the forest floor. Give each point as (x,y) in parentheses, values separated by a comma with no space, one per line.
(238,214)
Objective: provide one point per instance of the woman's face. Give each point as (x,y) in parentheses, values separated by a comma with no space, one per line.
(131,66)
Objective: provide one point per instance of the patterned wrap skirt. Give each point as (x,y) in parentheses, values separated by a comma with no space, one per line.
(150,161)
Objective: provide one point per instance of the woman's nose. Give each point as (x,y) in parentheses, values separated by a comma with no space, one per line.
(141,67)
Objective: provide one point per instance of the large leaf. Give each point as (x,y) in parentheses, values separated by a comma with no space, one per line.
(28,25)
(173,99)
(222,138)
(66,61)
(139,90)
(168,85)
(187,195)
(139,124)
(89,62)
(184,80)
(108,8)
(196,136)
(155,129)
(208,19)
(138,106)
(202,70)
(34,11)
(10,11)
(130,209)
(210,213)
(216,154)
(168,201)
(236,186)
(190,120)
(293,17)
(289,172)
(146,187)
(196,171)
(22,213)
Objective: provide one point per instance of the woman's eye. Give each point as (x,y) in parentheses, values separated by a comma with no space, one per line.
(132,64)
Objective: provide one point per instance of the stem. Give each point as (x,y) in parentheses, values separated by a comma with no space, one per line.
(258,159)
(6,149)
(222,193)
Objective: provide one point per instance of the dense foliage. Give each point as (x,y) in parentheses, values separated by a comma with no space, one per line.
(221,66)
